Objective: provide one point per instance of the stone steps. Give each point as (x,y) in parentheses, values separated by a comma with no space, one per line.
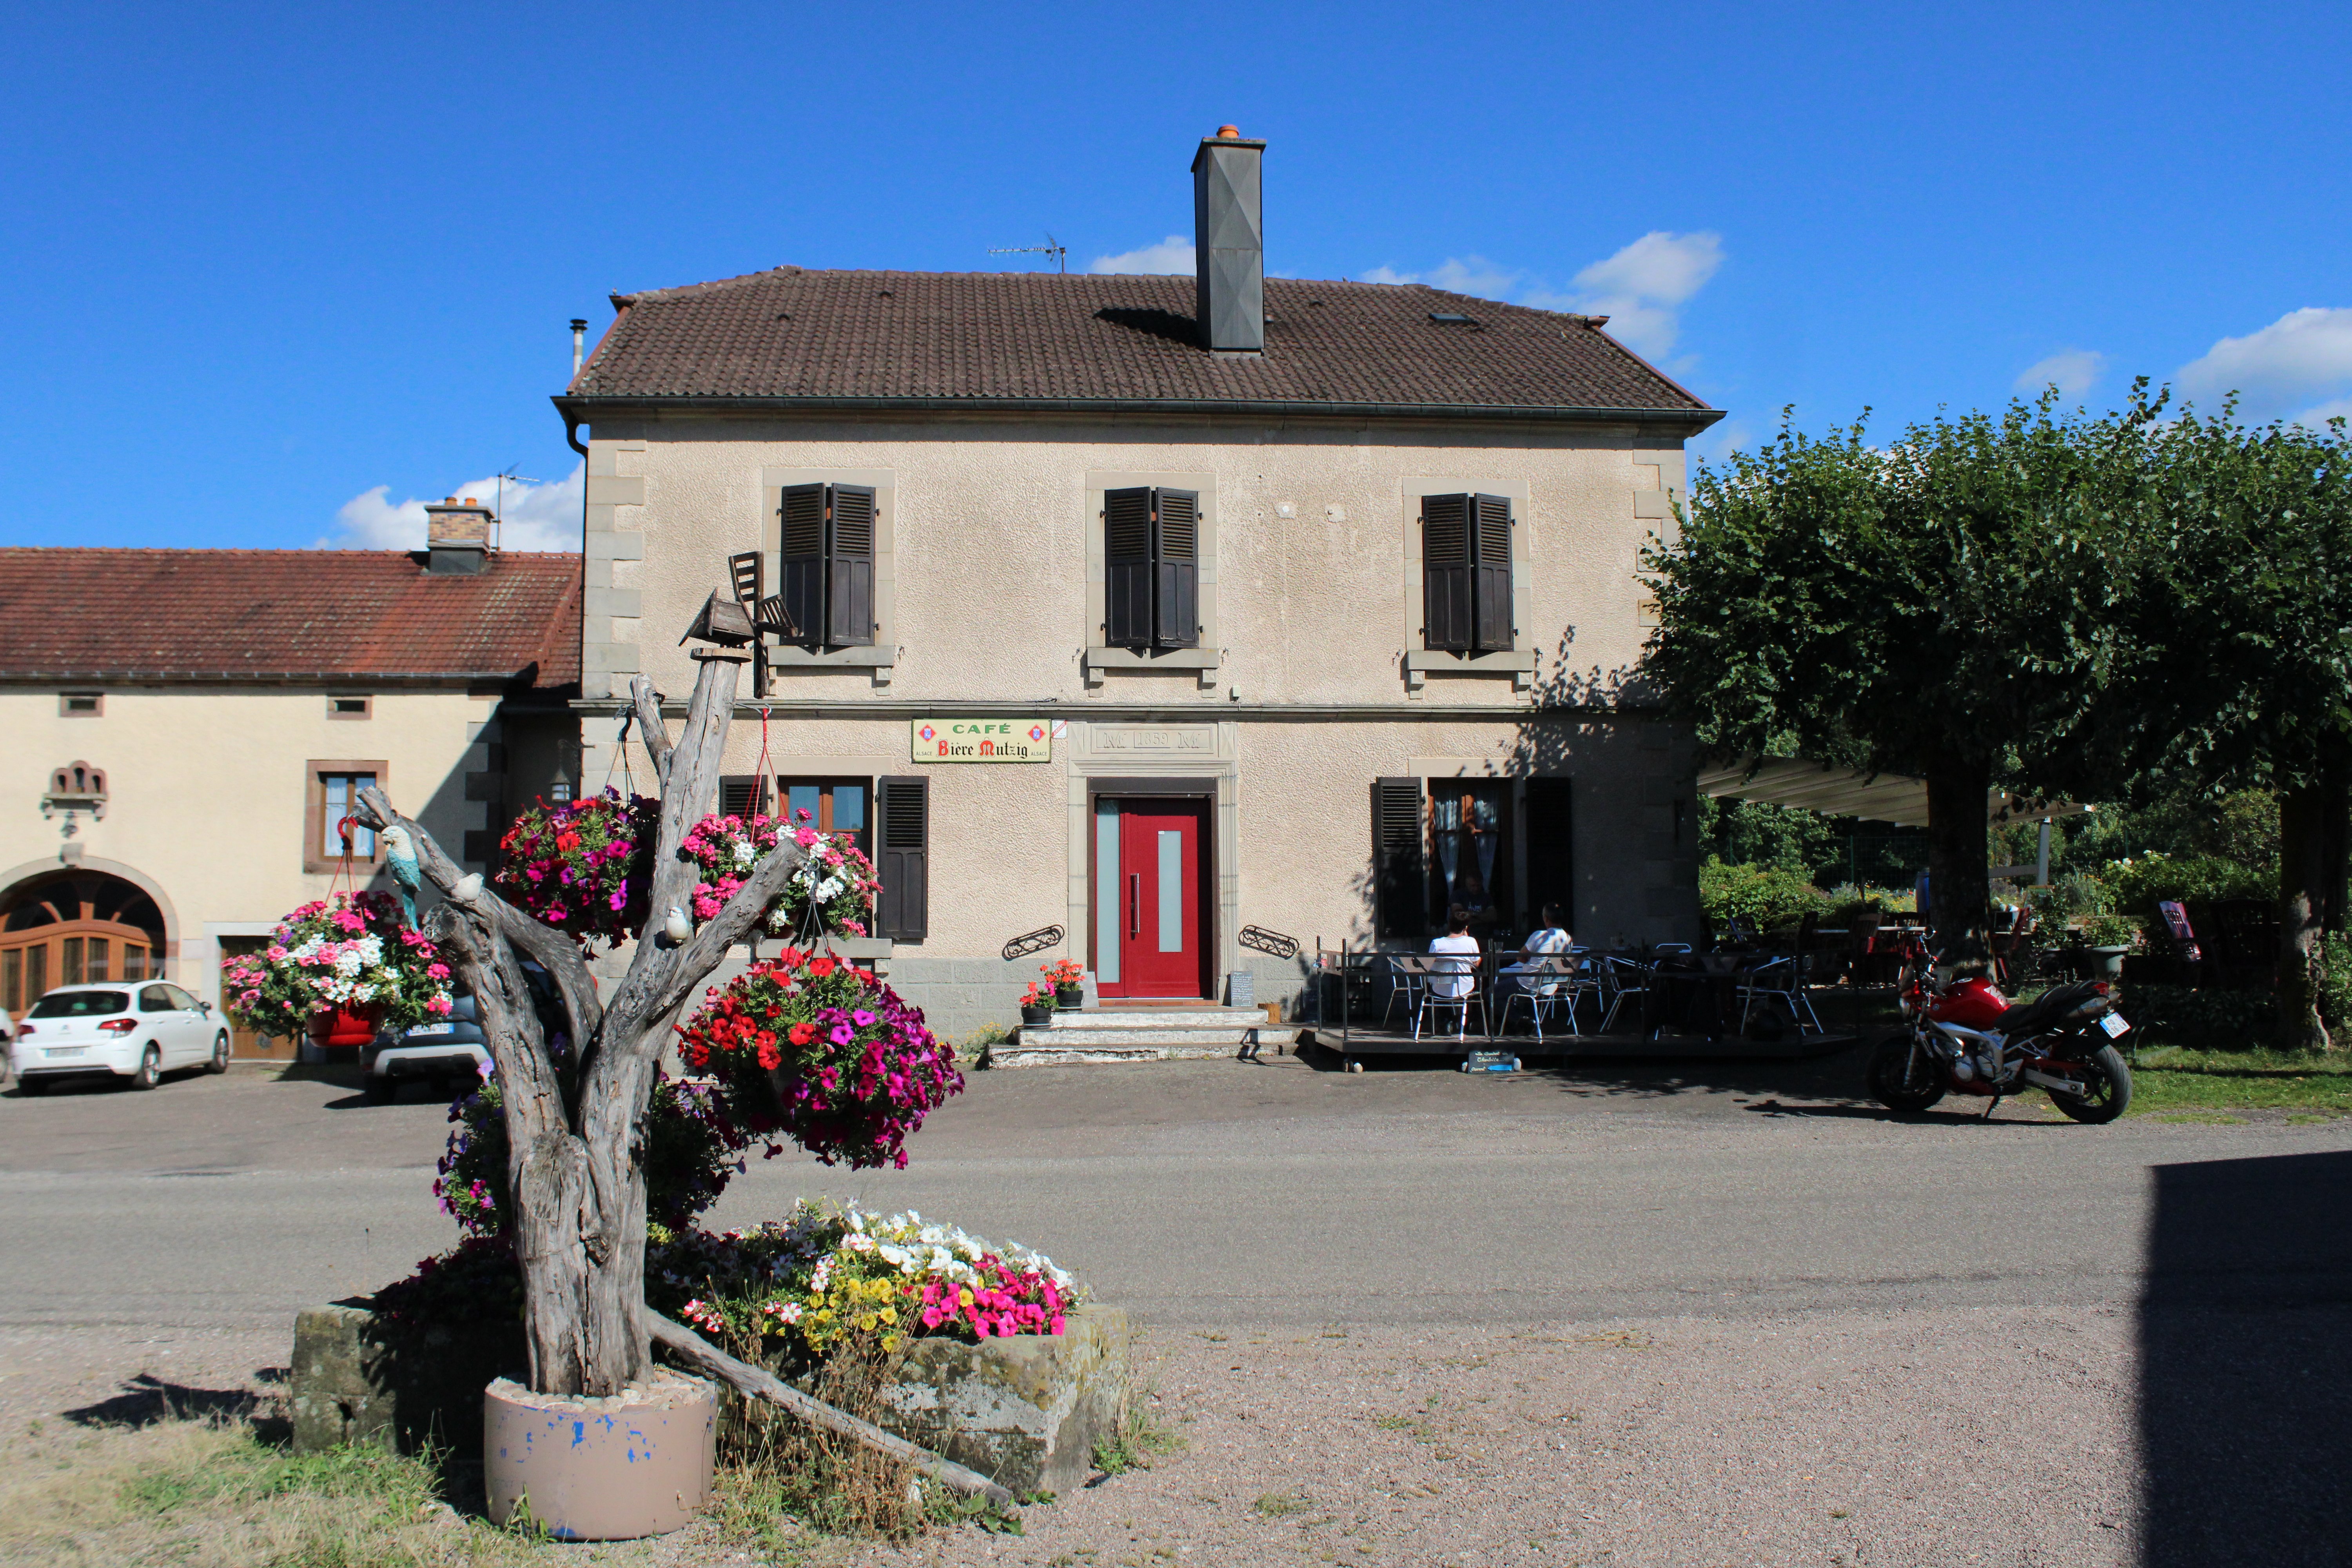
(1140,1034)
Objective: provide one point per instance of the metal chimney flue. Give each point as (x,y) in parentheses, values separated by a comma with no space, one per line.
(579,341)
(1229,242)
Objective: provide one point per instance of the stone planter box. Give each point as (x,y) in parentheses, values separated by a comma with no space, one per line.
(1025,1411)
(361,1379)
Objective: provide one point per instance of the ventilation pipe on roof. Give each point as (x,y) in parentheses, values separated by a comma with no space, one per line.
(1229,243)
(579,342)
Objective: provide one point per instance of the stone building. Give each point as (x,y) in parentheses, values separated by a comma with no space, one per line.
(1311,622)
(186,729)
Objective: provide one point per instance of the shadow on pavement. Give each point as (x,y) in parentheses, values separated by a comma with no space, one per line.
(2245,1357)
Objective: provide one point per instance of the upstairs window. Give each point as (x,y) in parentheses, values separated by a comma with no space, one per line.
(1465,554)
(1151,540)
(827,560)
(334,794)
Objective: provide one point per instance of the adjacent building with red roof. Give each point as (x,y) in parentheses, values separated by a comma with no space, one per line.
(186,729)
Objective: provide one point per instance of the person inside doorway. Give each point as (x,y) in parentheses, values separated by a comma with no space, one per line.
(1549,941)
(1456,976)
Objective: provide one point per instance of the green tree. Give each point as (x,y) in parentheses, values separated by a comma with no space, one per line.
(1939,607)
(2237,668)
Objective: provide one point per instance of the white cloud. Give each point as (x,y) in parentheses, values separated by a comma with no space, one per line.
(2317,418)
(536,516)
(1639,288)
(2304,353)
(1174,254)
(2071,370)
(1716,445)
(1667,268)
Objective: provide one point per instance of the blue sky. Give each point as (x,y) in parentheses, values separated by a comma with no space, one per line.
(277,270)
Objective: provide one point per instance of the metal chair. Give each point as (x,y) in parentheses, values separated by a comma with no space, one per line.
(1627,977)
(1546,984)
(1451,968)
(1409,978)
(1777,978)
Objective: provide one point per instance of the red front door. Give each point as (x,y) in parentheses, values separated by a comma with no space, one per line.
(1151,932)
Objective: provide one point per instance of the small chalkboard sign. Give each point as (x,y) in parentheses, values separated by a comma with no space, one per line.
(1490,1061)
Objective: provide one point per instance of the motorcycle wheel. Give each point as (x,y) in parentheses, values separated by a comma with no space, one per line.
(2108,1078)
(1899,1083)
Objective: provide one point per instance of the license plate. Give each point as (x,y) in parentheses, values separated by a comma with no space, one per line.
(54,1052)
(2115,1025)
(423,1029)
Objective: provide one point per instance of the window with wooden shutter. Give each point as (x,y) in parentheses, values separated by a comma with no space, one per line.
(742,795)
(801,559)
(1490,590)
(1465,559)
(1126,560)
(902,810)
(1398,880)
(1176,569)
(849,594)
(1445,567)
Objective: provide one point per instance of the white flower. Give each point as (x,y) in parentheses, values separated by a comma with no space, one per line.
(745,852)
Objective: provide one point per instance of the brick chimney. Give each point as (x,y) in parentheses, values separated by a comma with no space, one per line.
(457,537)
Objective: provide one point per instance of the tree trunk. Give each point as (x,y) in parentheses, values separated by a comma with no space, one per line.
(2304,883)
(1958,887)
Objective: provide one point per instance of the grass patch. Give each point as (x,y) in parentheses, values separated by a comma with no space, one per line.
(1280,1505)
(2174,1079)
(214,1495)
(1141,1439)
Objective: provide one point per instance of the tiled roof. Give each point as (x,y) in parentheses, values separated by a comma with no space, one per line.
(1005,339)
(286,614)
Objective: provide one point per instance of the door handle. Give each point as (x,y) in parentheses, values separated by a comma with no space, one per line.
(1134,904)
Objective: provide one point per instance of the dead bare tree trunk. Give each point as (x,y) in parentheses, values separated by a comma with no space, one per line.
(577,1166)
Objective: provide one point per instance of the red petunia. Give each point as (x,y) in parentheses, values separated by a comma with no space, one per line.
(822,965)
(801,1034)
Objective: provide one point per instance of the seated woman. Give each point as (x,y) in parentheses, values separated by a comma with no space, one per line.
(1456,977)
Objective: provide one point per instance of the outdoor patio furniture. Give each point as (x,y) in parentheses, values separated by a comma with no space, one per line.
(1546,984)
(1442,972)
(1409,977)
(1627,977)
(1776,979)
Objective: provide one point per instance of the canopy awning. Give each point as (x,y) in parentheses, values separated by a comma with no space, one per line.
(1898,799)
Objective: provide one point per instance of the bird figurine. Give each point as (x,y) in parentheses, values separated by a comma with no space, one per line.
(677,927)
(467,889)
(400,858)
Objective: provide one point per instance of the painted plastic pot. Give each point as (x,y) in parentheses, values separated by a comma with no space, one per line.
(1036,1017)
(636,1464)
(1069,996)
(346,1027)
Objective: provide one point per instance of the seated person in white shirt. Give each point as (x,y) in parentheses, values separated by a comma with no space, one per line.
(1456,977)
(1550,942)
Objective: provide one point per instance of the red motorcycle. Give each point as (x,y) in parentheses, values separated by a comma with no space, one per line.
(1963,1037)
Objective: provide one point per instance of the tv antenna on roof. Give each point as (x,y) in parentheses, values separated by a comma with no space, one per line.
(507,476)
(1053,247)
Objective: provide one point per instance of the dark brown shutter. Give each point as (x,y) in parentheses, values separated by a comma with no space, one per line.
(801,559)
(1551,863)
(1176,569)
(849,595)
(1397,880)
(1445,567)
(1126,577)
(902,832)
(1490,545)
(740,794)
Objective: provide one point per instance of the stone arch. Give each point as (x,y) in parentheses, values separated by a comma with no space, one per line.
(17,879)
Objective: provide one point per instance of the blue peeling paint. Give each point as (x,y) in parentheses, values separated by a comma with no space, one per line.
(579,1432)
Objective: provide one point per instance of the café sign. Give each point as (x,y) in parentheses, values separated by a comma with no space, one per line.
(983,740)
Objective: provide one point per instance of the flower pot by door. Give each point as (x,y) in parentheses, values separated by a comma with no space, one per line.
(601,1470)
(1069,996)
(1036,1017)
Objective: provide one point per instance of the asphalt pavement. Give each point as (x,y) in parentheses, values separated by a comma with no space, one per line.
(2020,1339)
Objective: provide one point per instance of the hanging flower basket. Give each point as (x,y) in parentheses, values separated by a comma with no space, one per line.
(830,893)
(585,866)
(814,1048)
(338,970)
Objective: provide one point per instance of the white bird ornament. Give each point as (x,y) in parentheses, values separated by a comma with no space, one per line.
(467,889)
(677,927)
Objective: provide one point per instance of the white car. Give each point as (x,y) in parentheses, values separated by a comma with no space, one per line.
(138,1031)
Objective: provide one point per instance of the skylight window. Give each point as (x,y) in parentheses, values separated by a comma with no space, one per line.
(1452,319)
